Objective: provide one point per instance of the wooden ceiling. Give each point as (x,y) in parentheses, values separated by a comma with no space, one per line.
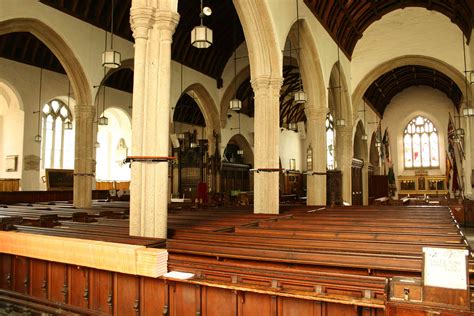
(382,90)
(346,20)
(211,61)
(187,111)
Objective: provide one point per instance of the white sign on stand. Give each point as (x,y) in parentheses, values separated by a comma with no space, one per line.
(445,268)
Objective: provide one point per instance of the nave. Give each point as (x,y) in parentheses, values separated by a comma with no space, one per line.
(303,261)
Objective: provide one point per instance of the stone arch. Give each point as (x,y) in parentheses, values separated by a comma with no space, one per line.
(339,94)
(360,146)
(57,45)
(242,142)
(309,65)
(229,94)
(11,94)
(261,38)
(209,110)
(426,61)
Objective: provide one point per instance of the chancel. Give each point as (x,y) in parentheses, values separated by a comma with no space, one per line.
(235,157)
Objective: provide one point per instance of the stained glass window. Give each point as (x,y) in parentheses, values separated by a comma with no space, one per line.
(330,135)
(420,144)
(58,142)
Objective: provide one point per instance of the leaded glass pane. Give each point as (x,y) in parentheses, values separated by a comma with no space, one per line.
(55,105)
(416,150)
(434,150)
(425,150)
(408,151)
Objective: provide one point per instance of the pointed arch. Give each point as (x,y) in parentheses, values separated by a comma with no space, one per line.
(208,108)
(420,60)
(60,49)
(261,38)
(242,142)
(11,94)
(229,93)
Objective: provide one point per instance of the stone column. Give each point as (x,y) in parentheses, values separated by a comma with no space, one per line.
(153,28)
(344,159)
(84,165)
(316,187)
(267,141)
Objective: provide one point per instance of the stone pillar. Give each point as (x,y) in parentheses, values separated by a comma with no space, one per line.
(153,28)
(267,141)
(344,155)
(84,164)
(316,187)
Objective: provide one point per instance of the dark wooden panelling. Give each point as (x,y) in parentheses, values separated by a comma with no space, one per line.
(21,277)
(127,294)
(183,299)
(58,282)
(254,304)
(79,286)
(340,309)
(296,307)
(218,302)
(6,271)
(152,292)
(101,291)
(39,278)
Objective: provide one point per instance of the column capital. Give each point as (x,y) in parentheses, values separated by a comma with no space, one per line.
(266,82)
(83,109)
(166,20)
(141,20)
(313,113)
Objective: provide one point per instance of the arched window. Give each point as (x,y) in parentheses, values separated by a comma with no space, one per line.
(421,144)
(58,142)
(330,135)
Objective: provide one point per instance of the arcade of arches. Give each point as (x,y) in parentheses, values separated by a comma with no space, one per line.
(360,94)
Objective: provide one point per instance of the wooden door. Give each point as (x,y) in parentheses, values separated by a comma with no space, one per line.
(357,189)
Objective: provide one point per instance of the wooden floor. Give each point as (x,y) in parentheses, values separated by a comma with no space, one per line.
(304,261)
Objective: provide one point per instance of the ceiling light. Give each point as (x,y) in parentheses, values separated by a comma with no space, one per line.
(110,57)
(235,104)
(468,112)
(201,36)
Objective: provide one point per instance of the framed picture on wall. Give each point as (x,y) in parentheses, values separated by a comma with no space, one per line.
(11,163)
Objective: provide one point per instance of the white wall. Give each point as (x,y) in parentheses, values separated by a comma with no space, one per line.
(422,100)
(292,147)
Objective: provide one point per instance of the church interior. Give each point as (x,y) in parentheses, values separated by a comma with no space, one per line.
(235,157)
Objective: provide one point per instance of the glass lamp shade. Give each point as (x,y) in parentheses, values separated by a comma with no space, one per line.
(193,145)
(240,152)
(235,104)
(201,37)
(38,138)
(378,144)
(300,97)
(340,122)
(67,124)
(97,145)
(292,126)
(460,132)
(468,112)
(111,59)
(180,136)
(364,137)
(103,120)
